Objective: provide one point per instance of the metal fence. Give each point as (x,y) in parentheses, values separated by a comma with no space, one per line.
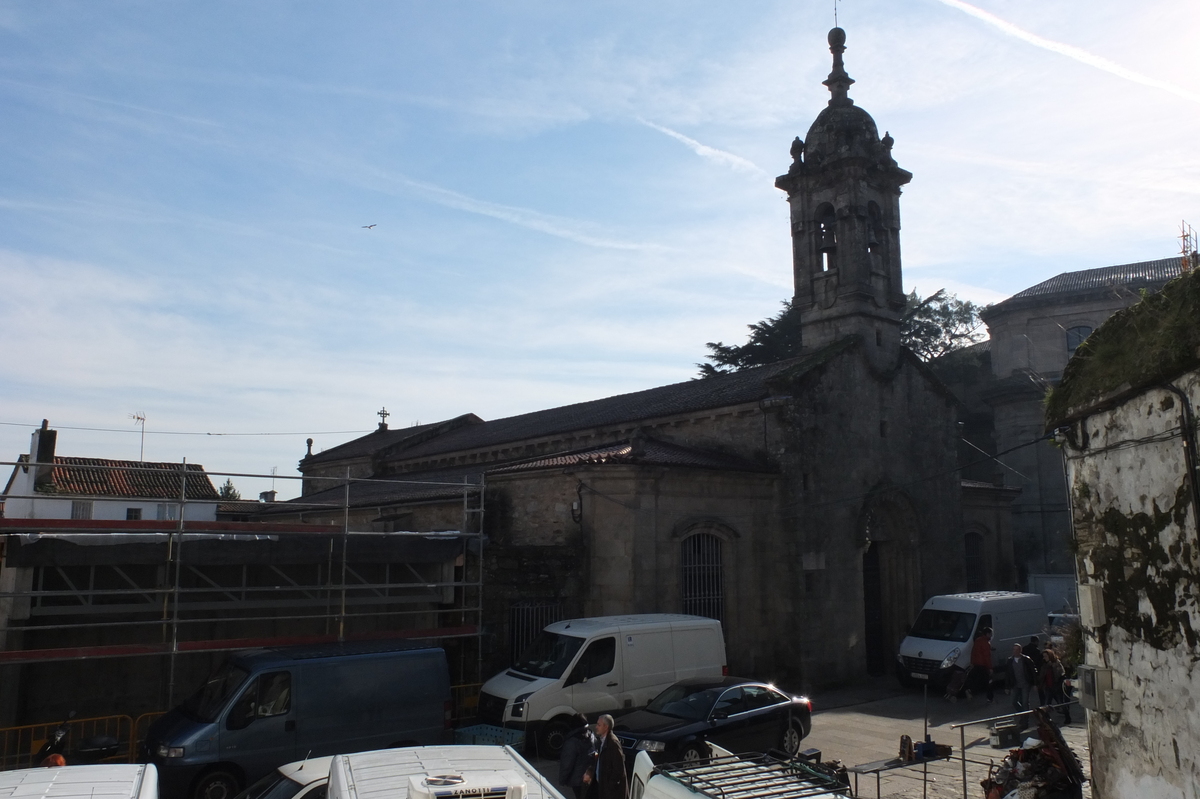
(19,745)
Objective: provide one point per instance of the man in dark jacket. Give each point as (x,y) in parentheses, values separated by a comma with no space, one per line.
(1022,677)
(578,754)
(608,774)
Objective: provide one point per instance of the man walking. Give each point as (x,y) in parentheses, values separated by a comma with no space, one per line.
(1021,677)
(608,774)
(981,664)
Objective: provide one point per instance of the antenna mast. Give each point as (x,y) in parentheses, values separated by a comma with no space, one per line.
(140,418)
(1189,258)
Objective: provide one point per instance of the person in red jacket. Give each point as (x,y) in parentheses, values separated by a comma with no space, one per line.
(981,664)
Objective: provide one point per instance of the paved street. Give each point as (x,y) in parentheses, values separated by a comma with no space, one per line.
(864,724)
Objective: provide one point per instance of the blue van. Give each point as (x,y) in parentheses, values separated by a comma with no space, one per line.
(267,707)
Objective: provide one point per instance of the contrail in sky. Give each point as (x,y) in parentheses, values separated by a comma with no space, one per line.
(1082,56)
(704,151)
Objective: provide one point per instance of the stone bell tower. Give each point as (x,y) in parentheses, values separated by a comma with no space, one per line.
(844,191)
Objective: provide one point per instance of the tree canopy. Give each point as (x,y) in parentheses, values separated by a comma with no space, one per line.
(228,492)
(931,327)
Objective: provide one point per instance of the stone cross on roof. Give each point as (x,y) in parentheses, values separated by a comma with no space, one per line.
(383,414)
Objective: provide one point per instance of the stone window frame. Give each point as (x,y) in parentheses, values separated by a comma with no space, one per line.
(726,536)
(983,535)
(1072,332)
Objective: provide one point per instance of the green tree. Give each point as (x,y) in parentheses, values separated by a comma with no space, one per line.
(931,327)
(228,492)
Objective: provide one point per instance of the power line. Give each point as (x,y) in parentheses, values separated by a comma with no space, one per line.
(191,432)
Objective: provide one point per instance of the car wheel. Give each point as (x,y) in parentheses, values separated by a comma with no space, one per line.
(696,751)
(789,742)
(216,784)
(554,735)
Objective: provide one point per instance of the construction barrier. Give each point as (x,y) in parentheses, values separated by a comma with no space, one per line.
(19,745)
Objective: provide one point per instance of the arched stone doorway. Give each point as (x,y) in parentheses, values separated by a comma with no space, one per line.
(891,573)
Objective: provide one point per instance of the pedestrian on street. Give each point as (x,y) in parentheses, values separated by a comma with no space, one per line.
(1032,652)
(578,753)
(1022,677)
(980,678)
(1055,674)
(608,773)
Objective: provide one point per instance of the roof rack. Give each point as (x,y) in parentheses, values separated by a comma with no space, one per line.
(754,776)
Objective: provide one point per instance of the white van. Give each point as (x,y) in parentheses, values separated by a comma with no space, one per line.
(724,775)
(437,772)
(100,781)
(599,665)
(945,629)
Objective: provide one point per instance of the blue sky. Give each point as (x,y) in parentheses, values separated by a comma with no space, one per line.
(570,199)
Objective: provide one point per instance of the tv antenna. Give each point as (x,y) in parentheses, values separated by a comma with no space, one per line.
(1187,247)
(140,418)
(835,20)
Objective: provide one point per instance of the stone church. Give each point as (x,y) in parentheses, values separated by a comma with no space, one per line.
(811,504)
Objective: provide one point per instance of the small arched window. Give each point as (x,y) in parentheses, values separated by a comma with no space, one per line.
(701,580)
(1076,336)
(975,563)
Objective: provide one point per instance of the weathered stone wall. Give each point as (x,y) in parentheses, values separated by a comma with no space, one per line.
(1135,520)
(859,443)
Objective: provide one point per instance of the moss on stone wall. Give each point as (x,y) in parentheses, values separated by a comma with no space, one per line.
(1153,341)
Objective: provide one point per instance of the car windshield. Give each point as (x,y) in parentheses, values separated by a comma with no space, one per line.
(943,625)
(272,786)
(205,704)
(548,655)
(691,702)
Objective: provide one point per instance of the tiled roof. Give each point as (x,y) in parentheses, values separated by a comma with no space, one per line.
(646,452)
(720,391)
(439,484)
(381,439)
(102,477)
(1142,274)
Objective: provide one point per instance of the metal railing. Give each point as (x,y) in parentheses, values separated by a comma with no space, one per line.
(19,745)
(962,732)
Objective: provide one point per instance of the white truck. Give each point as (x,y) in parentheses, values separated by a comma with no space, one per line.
(726,776)
(599,665)
(100,781)
(437,772)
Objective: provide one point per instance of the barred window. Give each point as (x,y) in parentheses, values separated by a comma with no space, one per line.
(702,583)
(81,509)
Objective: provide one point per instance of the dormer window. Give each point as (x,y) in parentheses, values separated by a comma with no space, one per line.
(1076,336)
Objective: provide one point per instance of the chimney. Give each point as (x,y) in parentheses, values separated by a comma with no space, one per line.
(267,496)
(41,450)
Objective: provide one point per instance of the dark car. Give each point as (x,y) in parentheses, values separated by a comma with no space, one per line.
(733,713)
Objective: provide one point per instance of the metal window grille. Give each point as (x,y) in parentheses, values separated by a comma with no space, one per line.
(81,509)
(527,619)
(702,583)
(976,568)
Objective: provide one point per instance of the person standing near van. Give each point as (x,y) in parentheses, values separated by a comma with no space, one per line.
(1032,652)
(981,664)
(608,774)
(1021,677)
(578,753)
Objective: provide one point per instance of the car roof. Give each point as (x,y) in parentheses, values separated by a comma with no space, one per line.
(718,682)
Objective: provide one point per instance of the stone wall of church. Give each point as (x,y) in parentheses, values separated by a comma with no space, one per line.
(869,488)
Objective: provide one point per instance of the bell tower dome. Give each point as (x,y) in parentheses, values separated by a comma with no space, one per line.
(844,191)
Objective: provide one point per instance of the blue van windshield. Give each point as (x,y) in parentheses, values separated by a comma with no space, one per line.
(548,655)
(943,625)
(205,704)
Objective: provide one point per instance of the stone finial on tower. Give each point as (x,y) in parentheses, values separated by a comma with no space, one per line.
(838,81)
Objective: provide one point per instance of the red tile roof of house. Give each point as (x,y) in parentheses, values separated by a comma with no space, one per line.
(103,477)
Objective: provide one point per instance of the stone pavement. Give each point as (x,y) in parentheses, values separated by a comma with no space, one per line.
(864,724)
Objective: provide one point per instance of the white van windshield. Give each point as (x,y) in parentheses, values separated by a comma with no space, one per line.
(548,655)
(943,625)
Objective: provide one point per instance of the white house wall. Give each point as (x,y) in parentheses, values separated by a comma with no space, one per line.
(1135,522)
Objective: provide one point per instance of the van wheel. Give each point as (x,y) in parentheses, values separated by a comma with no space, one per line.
(554,735)
(790,742)
(216,784)
(696,751)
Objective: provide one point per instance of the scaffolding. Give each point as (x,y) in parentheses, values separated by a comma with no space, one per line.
(82,589)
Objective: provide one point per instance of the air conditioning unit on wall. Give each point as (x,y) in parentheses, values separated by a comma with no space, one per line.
(1096,692)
